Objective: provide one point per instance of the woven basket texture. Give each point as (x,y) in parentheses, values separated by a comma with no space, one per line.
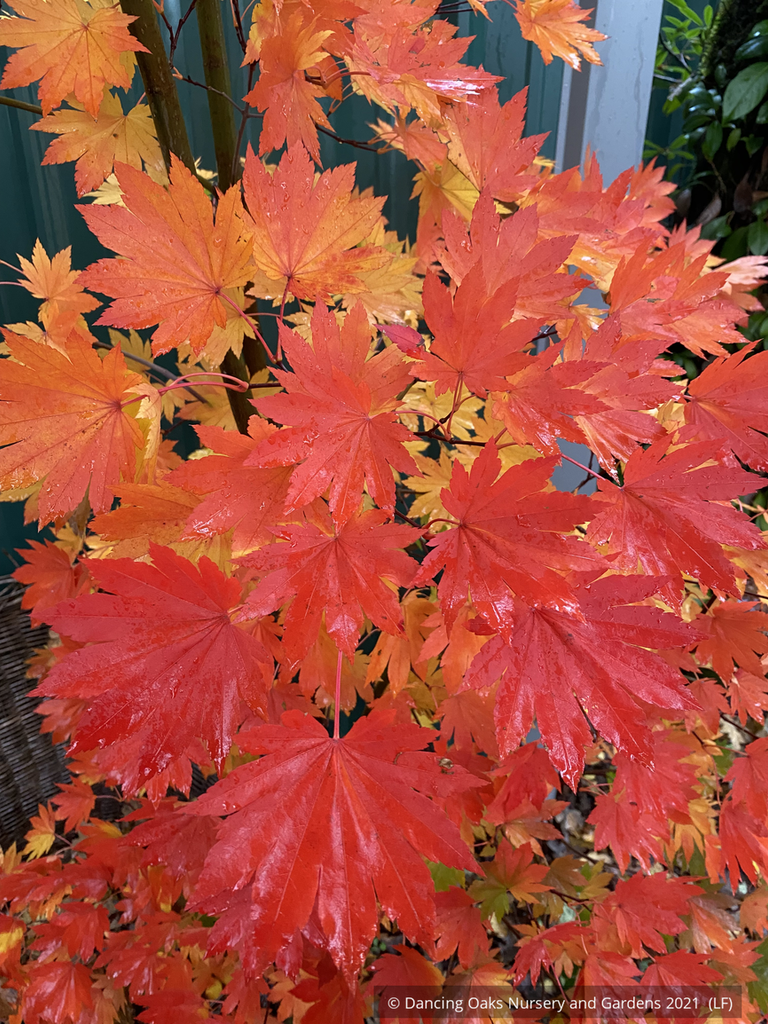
(30,765)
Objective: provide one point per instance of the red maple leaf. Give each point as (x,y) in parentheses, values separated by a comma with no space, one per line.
(680,969)
(320,829)
(403,69)
(160,642)
(727,405)
(340,406)
(78,927)
(510,252)
(561,666)
(488,147)
(339,572)
(677,499)
(508,539)
(284,90)
(474,344)
(58,991)
(49,574)
(307,232)
(74,803)
(459,927)
(542,400)
(737,634)
(644,801)
(239,496)
(68,420)
(642,910)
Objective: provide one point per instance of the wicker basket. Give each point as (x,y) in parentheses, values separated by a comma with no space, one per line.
(30,765)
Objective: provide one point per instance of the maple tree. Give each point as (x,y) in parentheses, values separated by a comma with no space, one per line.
(374,699)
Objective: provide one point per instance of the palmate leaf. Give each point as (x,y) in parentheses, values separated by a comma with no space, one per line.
(556,26)
(343,572)
(176,261)
(164,666)
(96,145)
(73,46)
(508,539)
(679,499)
(560,664)
(68,421)
(727,406)
(340,407)
(307,233)
(238,496)
(318,830)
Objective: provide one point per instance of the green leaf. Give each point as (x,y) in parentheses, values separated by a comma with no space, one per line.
(752,49)
(733,137)
(757,238)
(712,140)
(758,990)
(444,877)
(717,228)
(745,91)
(708,15)
(735,245)
(762,114)
(683,7)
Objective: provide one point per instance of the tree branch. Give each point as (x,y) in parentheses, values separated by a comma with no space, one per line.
(216,69)
(162,97)
(7,101)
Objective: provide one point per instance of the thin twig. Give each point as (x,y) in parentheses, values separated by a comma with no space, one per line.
(176,35)
(244,120)
(407,519)
(742,728)
(209,88)
(154,368)
(238,23)
(346,142)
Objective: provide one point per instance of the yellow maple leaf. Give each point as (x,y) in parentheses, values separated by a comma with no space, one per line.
(97,143)
(447,187)
(42,834)
(9,859)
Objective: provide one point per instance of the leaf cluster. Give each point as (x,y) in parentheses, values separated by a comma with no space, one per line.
(367,691)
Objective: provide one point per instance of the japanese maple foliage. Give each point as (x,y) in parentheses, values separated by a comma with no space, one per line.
(373,697)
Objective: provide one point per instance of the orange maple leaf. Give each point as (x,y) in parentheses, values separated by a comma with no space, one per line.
(96,144)
(556,28)
(283,90)
(307,233)
(177,263)
(53,280)
(72,46)
(66,421)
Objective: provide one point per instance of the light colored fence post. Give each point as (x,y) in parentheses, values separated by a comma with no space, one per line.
(606,108)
